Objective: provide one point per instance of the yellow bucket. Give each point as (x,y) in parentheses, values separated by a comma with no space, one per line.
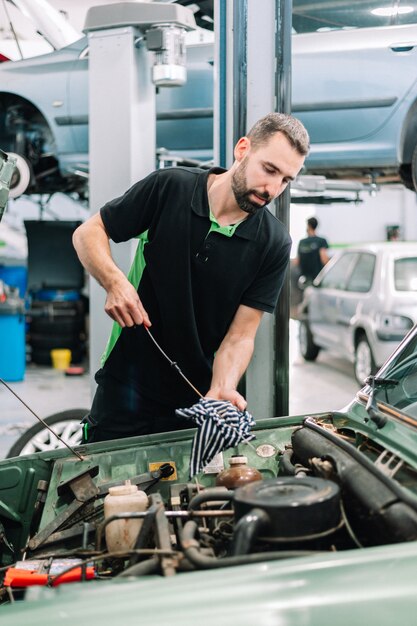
(61,358)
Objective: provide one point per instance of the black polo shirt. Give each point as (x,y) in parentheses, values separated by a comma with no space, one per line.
(309,255)
(191,277)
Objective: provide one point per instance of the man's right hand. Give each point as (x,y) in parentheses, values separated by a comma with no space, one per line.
(124,306)
(93,248)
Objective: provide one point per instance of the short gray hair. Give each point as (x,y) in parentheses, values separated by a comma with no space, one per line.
(273,123)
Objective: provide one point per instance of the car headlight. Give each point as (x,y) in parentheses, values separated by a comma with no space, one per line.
(392,327)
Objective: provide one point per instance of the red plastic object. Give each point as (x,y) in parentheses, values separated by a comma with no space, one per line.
(16,577)
(74,371)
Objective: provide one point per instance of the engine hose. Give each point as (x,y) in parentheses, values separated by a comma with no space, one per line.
(390,483)
(191,550)
(285,462)
(215,494)
(247,528)
(144,568)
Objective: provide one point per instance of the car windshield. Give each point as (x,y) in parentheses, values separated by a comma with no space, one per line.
(402,368)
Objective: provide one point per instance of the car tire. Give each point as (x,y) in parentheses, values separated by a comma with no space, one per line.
(39,439)
(71,341)
(60,326)
(364,364)
(309,350)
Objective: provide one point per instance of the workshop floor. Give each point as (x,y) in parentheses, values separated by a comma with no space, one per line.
(324,385)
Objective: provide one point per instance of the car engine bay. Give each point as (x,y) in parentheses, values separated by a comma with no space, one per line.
(325,487)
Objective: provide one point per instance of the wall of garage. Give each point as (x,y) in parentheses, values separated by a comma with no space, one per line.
(348,223)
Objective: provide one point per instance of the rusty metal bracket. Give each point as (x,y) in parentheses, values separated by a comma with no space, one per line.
(163,535)
(83,489)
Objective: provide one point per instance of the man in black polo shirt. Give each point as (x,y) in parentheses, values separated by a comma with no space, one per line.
(312,252)
(211,259)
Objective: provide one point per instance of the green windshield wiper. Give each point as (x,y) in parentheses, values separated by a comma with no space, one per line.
(374,413)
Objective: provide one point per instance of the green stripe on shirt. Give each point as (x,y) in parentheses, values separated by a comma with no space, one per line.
(228,231)
(134,277)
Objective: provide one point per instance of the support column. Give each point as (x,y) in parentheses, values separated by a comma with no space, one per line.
(122,115)
(122,142)
(253,44)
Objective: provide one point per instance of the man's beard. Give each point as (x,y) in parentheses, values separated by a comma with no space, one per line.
(242,193)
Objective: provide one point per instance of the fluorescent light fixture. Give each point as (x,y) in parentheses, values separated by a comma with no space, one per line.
(392,11)
(49,22)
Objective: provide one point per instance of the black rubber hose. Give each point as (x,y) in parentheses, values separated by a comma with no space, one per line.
(200,561)
(391,484)
(216,493)
(247,528)
(285,462)
(144,568)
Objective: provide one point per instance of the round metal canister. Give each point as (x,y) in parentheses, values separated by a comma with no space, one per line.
(298,508)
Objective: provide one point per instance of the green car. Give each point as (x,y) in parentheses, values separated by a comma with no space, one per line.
(325,534)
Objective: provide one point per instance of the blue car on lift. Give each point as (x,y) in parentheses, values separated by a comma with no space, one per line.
(44,114)
(354,87)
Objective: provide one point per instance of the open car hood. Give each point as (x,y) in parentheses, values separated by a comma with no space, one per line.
(340,540)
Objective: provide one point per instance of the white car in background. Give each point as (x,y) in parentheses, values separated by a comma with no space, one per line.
(361,305)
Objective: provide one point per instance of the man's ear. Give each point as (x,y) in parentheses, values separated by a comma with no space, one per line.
(242,148)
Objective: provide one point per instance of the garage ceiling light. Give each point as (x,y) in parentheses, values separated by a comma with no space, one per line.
(392,11)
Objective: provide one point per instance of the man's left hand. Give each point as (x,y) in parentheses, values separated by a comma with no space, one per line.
(231,395)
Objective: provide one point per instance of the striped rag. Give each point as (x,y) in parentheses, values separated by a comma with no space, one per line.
(220,425)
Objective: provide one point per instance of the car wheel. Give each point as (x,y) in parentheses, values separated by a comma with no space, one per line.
(364,360)
(38,340)
(60,326)
(38,438)
(309,350)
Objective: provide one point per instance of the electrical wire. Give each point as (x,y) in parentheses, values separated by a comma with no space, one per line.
(116,555)
(349,528)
